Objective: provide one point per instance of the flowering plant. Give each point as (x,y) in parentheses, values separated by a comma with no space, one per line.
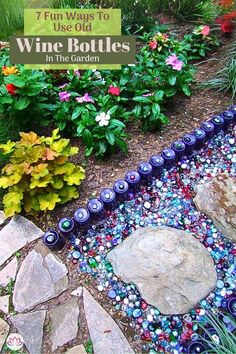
(160,41)
(200,42)
(23,96)
(227,16)
(95,118)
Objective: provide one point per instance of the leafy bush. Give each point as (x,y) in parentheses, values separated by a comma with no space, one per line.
(139,91)
(225,79)
(39,175)
(23,101)
(200,42)
(95,120)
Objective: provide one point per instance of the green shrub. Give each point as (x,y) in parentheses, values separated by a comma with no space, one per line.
(39,175)
(198,45)
(79,114)
(23,101)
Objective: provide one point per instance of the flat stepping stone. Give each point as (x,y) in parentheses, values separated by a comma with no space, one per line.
(79,349)
(8,273)
(42,276)
(64,320)
(4,303)
(15,235)
(106,336)
(4,330)
(217,199)
(172,270)
(30,327)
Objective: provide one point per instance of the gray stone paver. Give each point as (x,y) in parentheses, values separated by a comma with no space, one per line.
(106,336)
(30,326)
(42,276)
(15,235)
(64,319)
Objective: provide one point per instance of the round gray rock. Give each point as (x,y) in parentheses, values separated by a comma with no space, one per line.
(172,270)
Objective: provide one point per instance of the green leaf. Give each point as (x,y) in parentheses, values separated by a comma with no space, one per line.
(123,81)
(172,80)
(102,148)
(6,99)
(116,123)
(164,119)
(186,89)
(137,111)
(122,145)
(112,110)
(79,130)
(15,80)
(156,109)
(88,151)
(87,138)
(159,95)
(170,92)
(142,99)
(22,103)
(202,52)
(110,137)
(34,89)
(76,113)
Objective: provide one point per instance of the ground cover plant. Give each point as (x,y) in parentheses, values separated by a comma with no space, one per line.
(39,175)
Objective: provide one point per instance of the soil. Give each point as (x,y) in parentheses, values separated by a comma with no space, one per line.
(185,114)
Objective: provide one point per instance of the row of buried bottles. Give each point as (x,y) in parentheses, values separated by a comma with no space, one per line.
(109,198)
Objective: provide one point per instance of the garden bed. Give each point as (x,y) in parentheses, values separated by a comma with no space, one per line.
(185,113)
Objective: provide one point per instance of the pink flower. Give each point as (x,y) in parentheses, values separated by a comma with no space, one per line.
(205,30)
(63,86)
(113,90)
(77,72)
(153,45)
(64,96)
(174,62)
(86,98)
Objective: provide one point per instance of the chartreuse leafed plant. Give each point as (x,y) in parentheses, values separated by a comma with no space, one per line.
(221,340)
(39,175)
